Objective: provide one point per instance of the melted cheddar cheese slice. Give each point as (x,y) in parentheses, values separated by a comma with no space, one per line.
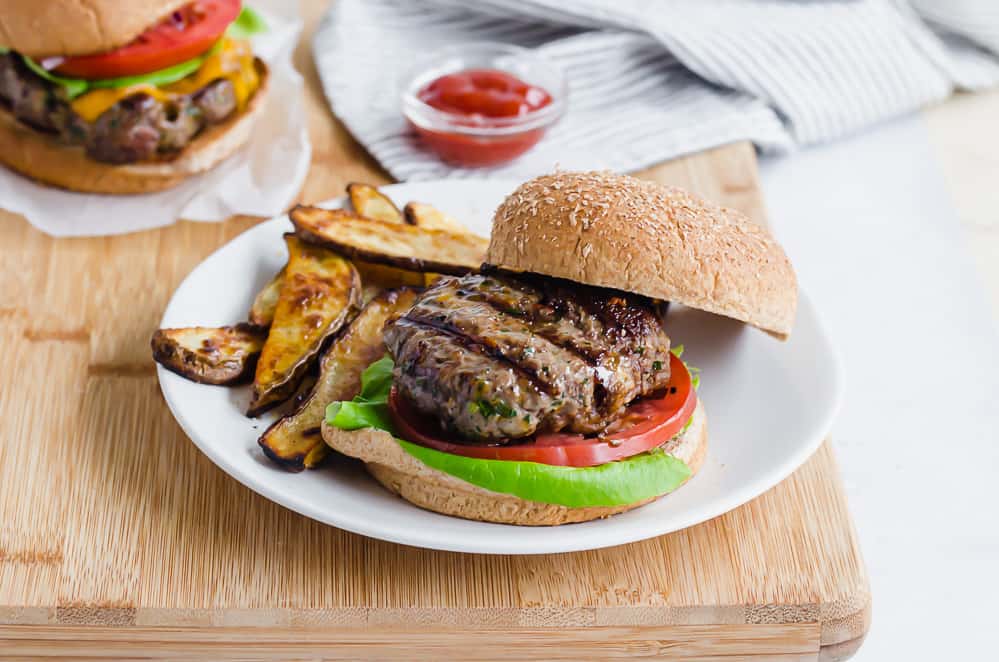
(232,60)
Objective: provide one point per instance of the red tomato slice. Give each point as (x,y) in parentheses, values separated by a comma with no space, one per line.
(184,34)
(646,424)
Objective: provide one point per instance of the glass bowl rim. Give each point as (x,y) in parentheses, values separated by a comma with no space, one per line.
(427,117)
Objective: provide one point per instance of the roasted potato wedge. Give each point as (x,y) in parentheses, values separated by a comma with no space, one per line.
(430,278)
(403,246)
(294,441)
(429,217)
(210,355)
(376,278)
(321,293)
(262,310)
(369,202)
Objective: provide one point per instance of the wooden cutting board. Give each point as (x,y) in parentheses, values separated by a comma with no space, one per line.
(118,538)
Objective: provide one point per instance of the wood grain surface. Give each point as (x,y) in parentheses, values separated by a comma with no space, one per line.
(116,531)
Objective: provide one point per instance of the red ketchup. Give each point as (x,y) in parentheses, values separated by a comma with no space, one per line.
(483,98)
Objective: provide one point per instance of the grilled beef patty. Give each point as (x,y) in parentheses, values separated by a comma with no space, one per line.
(137,128)
(496,357)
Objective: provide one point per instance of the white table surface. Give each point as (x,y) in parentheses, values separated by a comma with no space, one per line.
(895,234)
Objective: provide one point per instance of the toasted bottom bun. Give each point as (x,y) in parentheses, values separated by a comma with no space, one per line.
(44,159)
(403,474)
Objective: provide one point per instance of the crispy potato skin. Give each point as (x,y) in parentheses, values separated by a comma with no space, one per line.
(264,304)
(376,278)
(396,245)
(209,355)
(295,442)
(321,293)
(429,217)
(369,202)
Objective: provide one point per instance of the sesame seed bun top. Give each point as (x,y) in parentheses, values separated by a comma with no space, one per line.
(616,231)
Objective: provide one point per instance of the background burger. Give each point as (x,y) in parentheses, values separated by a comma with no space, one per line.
(116,96)
(544,389)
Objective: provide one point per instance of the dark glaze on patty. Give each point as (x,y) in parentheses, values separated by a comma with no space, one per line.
(496,357)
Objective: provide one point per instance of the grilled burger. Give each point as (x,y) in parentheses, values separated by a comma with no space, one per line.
(110,96)
(544,389)
(544,355)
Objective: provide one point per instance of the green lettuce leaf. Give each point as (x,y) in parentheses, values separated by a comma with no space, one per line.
(368,409)
(4,50)
(615,483)
(74,86)
(695,373)
(695,377)
(155,78)
(358,415)
(248,24)
(376,381)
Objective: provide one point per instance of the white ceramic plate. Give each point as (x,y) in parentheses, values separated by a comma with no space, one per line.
(769,406)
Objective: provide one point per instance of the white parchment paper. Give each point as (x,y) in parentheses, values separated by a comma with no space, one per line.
(261,179)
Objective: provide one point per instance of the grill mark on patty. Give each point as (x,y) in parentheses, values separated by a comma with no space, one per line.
(543,330)
(547,331)
(563,294)
(622,317)
(537,325)
(556,299)
(592,357)
(476,345)
(546,349)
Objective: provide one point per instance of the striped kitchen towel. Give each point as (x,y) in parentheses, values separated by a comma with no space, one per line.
(653,80)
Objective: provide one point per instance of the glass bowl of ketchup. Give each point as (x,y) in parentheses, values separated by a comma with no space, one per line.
(482,104)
